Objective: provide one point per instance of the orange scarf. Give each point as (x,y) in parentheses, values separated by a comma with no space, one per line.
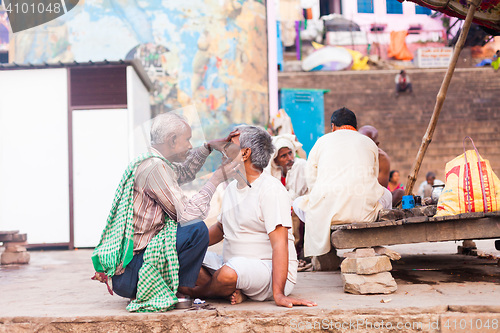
(347,127)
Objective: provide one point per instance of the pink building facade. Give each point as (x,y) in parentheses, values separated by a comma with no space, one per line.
(393,16)
(377,18)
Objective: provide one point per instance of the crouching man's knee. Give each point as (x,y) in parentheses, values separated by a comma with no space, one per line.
(227,276)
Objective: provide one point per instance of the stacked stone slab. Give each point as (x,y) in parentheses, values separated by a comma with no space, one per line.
(365,272)
(15,248)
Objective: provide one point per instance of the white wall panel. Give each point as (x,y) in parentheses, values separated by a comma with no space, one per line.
(34,182)
(100,156)
(139,114)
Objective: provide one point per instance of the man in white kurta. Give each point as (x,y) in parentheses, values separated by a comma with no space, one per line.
(341,171)
(248,216)
(259,259)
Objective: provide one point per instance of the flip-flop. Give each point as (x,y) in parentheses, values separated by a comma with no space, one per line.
(304,268)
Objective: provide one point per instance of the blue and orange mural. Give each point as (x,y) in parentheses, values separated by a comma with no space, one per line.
(210,53)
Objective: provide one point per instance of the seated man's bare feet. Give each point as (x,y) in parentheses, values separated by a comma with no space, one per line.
(237,297)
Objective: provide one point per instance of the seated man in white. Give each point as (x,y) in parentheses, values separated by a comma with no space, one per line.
(259,259)
(342,175)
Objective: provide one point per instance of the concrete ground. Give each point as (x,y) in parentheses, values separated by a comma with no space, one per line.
(438,290)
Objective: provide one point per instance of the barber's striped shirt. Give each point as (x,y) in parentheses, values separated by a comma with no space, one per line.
(157,191)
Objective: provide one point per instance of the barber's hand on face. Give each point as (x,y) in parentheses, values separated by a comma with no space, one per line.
(219,144)
(227,170)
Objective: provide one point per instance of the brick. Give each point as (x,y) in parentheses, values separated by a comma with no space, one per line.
(10,258)
(365,252)
(349,255)
(393,255)
(381,283)
(366,266)
(15,248)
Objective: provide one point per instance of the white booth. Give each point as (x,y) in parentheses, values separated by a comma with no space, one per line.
(67,133)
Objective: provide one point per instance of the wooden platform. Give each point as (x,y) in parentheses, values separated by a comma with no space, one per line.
(12,236)
(417,229)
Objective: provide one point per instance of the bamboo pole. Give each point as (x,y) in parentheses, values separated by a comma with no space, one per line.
(441,96)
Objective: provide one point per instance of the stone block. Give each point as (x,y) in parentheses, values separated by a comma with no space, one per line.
(15,248)
(380,283)
(365,266)
(349,255)
(326,262)
(13,258)
(348,266)
(393,255)
(365,252)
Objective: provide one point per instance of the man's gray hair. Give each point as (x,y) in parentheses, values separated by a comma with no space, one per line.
(259,141)
(166,124)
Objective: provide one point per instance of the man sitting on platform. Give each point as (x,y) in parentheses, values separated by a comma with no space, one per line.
(342,171)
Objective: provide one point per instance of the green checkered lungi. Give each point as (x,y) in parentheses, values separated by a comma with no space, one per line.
(159,274)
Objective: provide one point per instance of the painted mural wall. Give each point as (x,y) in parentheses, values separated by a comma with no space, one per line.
(4,31)
(210,53)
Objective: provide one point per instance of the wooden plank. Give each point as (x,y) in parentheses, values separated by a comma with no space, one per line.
(361,225)
(6,236)
(11,232)
(416,219)
(412,219)
(339,226)
(463,216)
(20,238)
(13,238)
(470,216)
(492,214)
(485,228)
(365,225)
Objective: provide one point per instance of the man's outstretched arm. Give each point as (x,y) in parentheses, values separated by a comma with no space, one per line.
(279,243)
(186,171)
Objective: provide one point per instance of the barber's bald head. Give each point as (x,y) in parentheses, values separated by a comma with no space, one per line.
(370,132)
